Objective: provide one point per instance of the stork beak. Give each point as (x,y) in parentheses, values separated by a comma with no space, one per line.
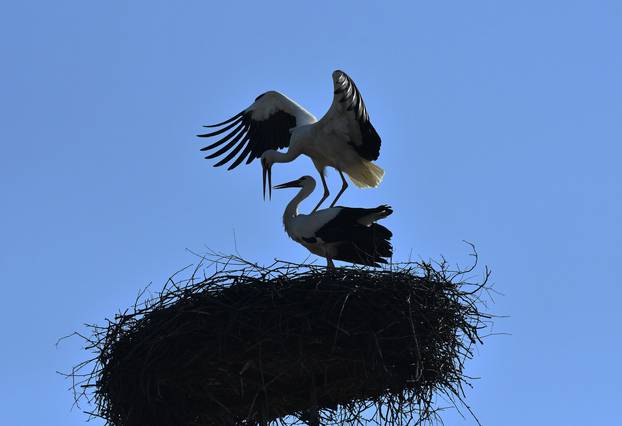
(292,184)
(267,170)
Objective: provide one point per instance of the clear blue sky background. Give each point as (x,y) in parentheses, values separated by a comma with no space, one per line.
(501,125)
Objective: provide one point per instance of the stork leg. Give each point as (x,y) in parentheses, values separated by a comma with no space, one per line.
(330,266)
(344,186)
(326,193)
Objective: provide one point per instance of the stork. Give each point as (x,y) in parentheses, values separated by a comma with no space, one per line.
(338,233)
(343,138)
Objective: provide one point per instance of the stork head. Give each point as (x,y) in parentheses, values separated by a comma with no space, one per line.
(303,182)
(267,160)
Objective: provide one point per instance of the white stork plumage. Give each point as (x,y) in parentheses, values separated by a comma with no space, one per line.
(338,233)
(343,139)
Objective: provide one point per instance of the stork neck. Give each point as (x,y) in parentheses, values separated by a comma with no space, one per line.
(291,211)
(292,153)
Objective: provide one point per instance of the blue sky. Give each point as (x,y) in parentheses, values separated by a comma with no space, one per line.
(501,125)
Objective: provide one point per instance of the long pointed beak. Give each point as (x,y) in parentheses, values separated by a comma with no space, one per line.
(264,170)
(267,171)
(291,184)
(270,183)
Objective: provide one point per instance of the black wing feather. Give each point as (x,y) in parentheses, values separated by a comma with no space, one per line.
(225,139)
(241,158)
(238,115)
(217,132)
(258,136)
(357,243)
(370,245)
(232,153)
(337,229)
(369,148)
(226,147)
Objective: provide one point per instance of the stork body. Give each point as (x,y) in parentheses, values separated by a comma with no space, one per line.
(343,138)
(338,233)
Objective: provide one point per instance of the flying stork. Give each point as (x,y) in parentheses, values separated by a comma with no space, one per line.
(338,233)
(343,139)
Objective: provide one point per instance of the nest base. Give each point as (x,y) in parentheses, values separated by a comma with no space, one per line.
(251,345)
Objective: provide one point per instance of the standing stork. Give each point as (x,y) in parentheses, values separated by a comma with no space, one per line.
(338,233)
(343,139)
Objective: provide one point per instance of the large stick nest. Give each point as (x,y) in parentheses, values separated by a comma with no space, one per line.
(252,345)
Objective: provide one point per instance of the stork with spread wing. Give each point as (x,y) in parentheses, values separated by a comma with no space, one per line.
(343,139)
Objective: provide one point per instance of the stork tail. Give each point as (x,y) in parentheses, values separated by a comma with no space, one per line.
(366,174)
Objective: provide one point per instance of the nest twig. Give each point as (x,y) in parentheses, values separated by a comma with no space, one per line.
(287,343)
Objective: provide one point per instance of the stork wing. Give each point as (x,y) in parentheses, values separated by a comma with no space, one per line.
(347,116)
(264,125)
(352,219)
